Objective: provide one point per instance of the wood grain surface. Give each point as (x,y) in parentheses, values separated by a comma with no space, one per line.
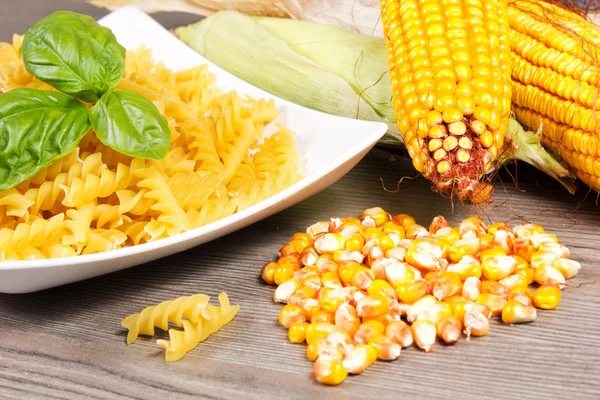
(67,342)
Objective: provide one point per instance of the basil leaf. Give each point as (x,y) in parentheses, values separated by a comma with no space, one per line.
(36,128)
(74,54)
(129,123)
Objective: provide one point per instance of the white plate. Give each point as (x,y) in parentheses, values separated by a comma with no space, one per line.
(329,147)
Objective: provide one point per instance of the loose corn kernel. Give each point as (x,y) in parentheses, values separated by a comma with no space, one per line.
(341,340)
(471,288)
(527,230)
(424,255)
(372,305)
(396,272)
(315,348)
(308,256)
(491,252)
(283,273)
(374,252)
(405,220)
(540,238)
(348,255)
(528,274)
(331,280)
(463,247)
(331,299)
(385,347)
(419,306)
(522,295)
(476,324)
(494,287)
(312,281)
(392,227)
(460,309)
(318,330)
(472,224)
(383,288)
(524,248)
(498,226)
(268,272)
(322,316)
(454,300)
(347,318)
(514,280)
(367,330)
(347,271)
(285,290)
(399,253)
(547,274)
(297,332)
(372,233)
(399,332)
(568,268)
(431,277)
(304,237)
(349,227)
(385,242)
(411,291)
(290,314)
(540,258)
(292,259)
(329,371)
(355,242)
(505,240)
(449,329)
(435,312)
(417,231)
(300,295)
(556,248)
(447,284)
(424,333)
(438,223)
(329,243)
(378,214)
(515,312)
(498,267)
(547,297)
(310,307)
(302,273)
(362,278)
(468,266)
(486,240)
(334,224)
(359,358)
(292,247)
(494,302)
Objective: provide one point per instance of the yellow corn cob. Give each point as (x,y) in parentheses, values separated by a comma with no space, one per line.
(556,74)
(449,66)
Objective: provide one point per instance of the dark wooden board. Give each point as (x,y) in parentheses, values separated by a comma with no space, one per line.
(67,342)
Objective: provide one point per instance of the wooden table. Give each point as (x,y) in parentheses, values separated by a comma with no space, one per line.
(67,342)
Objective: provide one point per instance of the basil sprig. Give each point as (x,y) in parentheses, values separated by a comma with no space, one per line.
(77,56)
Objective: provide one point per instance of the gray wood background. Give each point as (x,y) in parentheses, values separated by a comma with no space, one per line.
(67,342)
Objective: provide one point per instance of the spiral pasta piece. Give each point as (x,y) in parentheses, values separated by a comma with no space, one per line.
(182,342)
(191,308)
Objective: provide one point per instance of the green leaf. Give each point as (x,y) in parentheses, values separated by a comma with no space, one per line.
(129,123)
(74,54)
(36,128)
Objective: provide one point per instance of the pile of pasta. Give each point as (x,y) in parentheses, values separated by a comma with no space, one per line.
(193,314)
(96,199)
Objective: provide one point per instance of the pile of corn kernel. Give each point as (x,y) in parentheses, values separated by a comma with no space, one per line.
(361,289)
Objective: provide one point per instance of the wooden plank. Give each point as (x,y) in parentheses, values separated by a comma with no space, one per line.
(67,342)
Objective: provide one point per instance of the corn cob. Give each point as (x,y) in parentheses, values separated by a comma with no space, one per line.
(449,66)
(556,74)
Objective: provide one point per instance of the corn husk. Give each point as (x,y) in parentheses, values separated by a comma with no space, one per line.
(328,69)
(247,49)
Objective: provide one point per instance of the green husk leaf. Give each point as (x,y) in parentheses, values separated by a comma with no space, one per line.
(240,45)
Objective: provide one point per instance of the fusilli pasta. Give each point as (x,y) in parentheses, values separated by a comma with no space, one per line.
(96,199)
